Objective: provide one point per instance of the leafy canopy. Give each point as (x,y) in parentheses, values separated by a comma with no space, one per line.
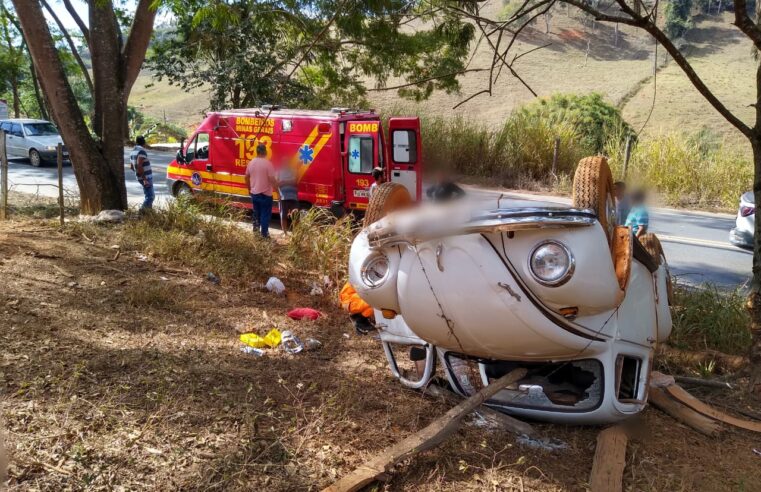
(309,52)
(594,119)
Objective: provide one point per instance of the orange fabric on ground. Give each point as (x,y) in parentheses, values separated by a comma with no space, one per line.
(351,302)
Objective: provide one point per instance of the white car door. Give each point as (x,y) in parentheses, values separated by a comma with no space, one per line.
(15,141)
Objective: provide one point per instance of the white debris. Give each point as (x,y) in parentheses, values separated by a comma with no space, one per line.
(545,443)
(316,290)
(275,285)
(104,216)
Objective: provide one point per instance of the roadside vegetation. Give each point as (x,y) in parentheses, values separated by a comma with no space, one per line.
(689,170)
(710,318)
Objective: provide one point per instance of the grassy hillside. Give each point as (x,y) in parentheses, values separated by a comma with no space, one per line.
(583,56)
(161,100)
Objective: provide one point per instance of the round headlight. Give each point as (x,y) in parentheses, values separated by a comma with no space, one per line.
(375,271)
(551,263)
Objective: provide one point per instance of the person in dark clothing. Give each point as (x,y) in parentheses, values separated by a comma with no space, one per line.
(444,190)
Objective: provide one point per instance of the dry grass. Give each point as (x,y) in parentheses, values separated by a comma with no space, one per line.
(107,388)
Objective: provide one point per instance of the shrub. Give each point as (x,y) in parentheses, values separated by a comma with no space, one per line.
(319,245)
(593,118)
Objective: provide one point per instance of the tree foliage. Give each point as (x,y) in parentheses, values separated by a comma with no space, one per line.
(309,52)
(594,119)
(678,18)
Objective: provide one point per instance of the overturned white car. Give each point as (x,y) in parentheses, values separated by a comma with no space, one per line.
(563,292)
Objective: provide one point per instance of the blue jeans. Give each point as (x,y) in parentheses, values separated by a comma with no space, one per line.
(262,212)
(148,191)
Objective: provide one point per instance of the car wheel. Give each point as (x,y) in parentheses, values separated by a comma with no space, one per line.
(34,158)
(387,198)
(593,189)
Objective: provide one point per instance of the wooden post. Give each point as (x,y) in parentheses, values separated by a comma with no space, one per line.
(609,461)
(60,181)
(627,155)
(3,177)
(555,157)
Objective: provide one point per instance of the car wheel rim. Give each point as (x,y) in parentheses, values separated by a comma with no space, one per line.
(35,158)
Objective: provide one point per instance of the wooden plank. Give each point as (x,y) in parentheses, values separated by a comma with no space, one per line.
(504,421)
(683,413)
(427,438)
(680,394)
(609,462)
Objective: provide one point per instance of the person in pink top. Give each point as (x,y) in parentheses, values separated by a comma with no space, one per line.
(260,180)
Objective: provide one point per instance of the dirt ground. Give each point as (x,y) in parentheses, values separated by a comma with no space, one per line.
(122,374)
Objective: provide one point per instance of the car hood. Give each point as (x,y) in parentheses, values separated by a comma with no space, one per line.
(45,140)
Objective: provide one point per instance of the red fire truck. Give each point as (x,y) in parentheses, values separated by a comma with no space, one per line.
(336,151)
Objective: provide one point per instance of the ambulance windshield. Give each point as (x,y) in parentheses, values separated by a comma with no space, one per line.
(361,155)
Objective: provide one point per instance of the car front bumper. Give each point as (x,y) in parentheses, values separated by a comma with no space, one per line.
(741,238)
(52,155)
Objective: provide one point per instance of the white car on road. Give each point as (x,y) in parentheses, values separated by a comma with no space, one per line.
(562,292)
(36,140)
(742,234)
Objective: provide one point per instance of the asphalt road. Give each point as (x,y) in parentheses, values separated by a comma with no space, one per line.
(696,243)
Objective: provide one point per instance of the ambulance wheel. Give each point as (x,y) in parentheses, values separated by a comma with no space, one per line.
(182,190)
(593,189)
(387,198)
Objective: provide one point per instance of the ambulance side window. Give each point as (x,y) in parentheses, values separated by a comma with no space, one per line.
(361,154)
(198,148)
(405,146)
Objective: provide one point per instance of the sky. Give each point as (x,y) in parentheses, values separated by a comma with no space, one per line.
(81,7)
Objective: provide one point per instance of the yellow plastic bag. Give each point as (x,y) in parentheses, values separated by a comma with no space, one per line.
(252,340)
(271,339)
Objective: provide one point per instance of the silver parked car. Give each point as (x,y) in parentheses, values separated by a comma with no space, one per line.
(32,139)
(742,234)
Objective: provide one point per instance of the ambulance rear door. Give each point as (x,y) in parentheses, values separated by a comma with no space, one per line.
(363,154)
(405,154)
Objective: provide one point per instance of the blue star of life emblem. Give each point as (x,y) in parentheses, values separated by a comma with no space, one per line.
(306,154)
(355,154)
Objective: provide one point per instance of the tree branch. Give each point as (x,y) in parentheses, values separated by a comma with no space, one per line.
(74,15)
(745,24)
(72,46)
(133,54)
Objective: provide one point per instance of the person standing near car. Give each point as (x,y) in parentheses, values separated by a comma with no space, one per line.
(638,218)
(287,182)
(260,181)
(140,163)
(622,202)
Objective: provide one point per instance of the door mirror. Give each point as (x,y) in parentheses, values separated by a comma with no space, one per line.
(180,156)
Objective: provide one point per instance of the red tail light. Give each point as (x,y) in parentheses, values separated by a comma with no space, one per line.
(746,211)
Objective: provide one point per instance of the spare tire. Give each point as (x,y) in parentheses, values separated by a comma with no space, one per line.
(593,189)
(387,198)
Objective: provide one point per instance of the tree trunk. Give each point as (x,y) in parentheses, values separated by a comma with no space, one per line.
(16,99)
(37,95)
(754,298)
(99,189)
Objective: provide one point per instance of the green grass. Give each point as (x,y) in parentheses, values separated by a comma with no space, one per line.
(182,232)
(709,318)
